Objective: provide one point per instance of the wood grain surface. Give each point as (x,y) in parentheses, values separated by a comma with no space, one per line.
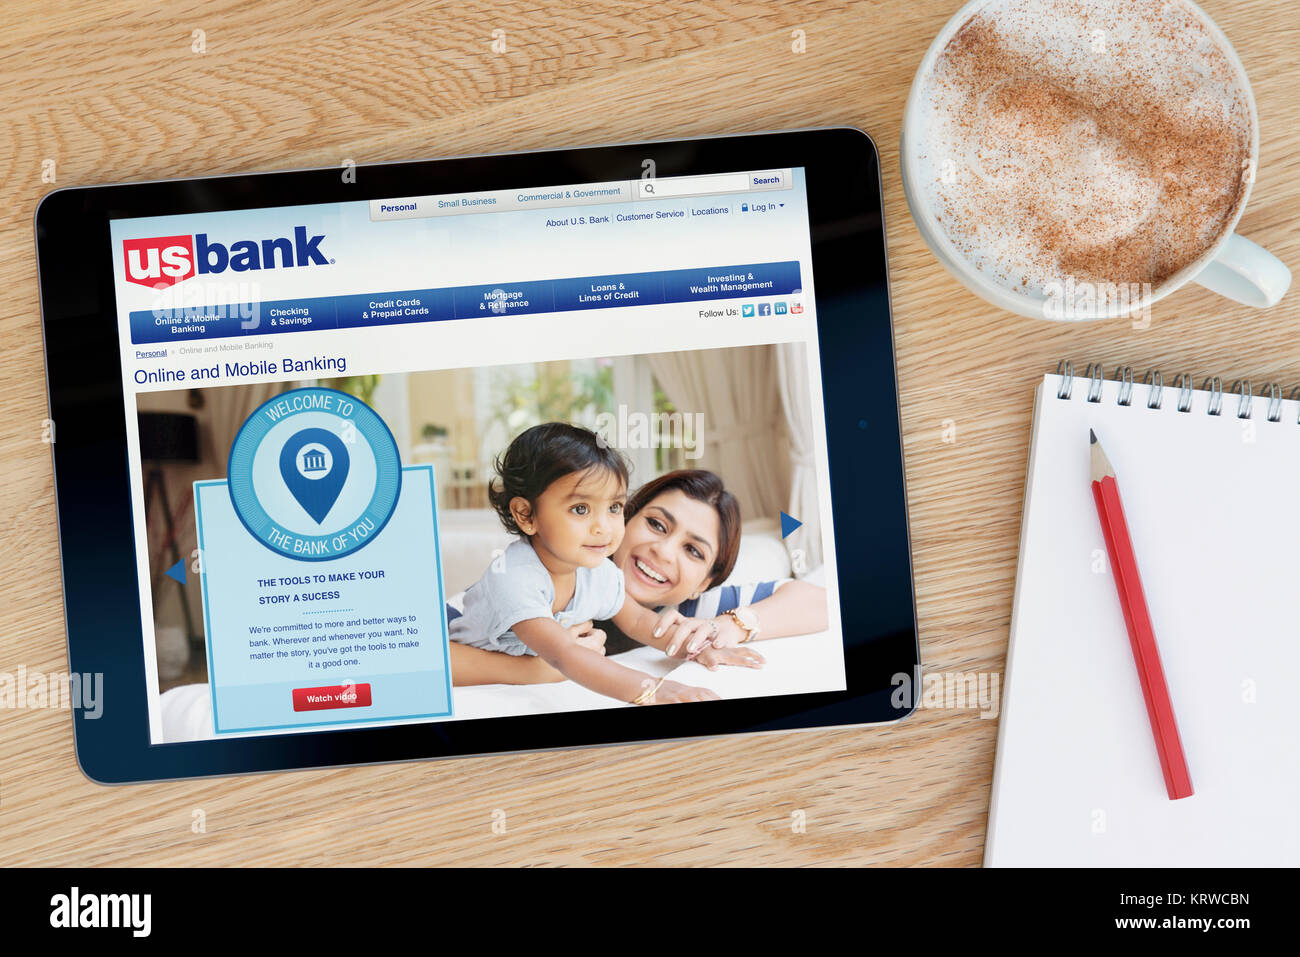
(111,91)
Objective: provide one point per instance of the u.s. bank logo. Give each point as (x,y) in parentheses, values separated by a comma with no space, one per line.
(314,474)
(162,261)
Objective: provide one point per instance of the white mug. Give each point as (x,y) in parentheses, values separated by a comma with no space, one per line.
(1233,266)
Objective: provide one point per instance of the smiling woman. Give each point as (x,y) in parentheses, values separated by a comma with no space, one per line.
(683,534)
(681,543)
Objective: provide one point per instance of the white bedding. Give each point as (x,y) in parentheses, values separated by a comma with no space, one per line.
(795,665)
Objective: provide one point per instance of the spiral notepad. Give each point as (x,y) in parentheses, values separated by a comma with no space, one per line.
(1210,478)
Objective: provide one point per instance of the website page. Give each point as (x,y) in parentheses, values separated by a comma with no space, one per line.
(471,455)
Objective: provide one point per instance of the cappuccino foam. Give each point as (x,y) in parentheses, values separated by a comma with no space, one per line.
(1103,140)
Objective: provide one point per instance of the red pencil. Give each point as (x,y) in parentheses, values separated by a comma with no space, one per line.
(1123,565)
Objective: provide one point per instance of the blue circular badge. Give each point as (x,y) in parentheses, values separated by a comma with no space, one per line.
(314,474)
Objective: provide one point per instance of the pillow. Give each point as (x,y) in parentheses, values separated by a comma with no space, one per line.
(762,554)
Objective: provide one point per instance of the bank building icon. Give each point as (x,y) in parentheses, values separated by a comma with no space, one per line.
(313,460)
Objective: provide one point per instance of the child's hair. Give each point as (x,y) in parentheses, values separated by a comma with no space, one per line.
(703,486)
(541,455)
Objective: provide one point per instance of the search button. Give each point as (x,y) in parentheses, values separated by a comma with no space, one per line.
(768,179)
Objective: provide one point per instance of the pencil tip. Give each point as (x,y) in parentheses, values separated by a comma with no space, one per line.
(1098,462)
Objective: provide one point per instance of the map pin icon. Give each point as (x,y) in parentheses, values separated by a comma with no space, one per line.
(314,465)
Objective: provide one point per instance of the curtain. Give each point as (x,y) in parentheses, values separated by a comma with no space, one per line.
(225,411)
(795,387)
(743,430)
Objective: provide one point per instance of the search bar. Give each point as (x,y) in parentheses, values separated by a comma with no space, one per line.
(692,186)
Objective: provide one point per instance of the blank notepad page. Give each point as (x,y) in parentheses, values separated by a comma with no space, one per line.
(1213,508)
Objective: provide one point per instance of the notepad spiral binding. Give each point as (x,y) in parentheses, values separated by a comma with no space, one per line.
(1155,383)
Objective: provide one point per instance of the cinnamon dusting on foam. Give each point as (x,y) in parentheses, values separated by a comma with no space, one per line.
(1100,139)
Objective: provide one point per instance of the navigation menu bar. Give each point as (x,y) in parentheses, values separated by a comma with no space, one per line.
(754,280)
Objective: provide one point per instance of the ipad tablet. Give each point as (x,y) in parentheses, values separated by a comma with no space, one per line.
(410,460)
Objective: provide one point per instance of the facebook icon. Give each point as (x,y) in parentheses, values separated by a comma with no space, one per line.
(764,308)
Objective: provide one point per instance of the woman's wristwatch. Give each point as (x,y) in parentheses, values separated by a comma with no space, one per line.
(746,620)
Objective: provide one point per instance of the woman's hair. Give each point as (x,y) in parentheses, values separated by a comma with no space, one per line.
(541,455)
(703,486)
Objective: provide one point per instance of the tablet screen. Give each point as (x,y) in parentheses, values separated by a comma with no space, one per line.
(457,456)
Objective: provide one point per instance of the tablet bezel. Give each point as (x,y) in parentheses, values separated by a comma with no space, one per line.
(869,507)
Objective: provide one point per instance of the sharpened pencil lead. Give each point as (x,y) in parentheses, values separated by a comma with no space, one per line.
(1099,463)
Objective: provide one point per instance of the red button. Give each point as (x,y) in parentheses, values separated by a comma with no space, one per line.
(334,696)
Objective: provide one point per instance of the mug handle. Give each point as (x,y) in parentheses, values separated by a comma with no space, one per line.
(1247,273)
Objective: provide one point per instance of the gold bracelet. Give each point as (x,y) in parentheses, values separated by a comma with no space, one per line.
(749,631)
(649,693)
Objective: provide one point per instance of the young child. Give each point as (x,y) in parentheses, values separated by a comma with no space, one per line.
(562,491)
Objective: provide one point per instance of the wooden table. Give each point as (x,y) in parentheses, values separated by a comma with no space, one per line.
(111,90)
